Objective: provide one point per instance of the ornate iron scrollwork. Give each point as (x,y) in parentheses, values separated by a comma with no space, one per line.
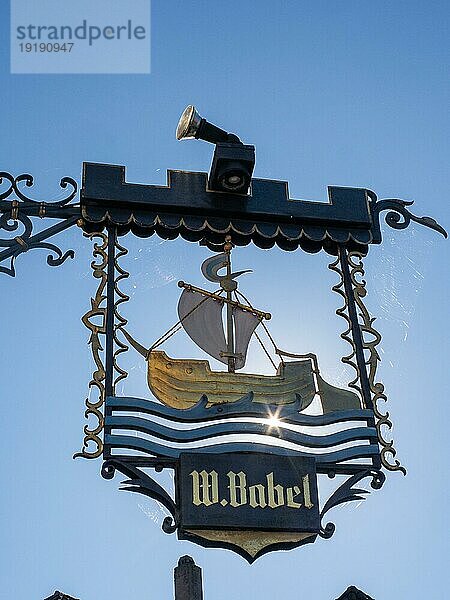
(96,321)
(346,335)
(399,217)
(15,188)
(119,320)
(371,339)
(97,311)
(141,483)
(16,215)
(347,493)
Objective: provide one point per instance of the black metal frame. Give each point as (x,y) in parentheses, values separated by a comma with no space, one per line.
(345,227)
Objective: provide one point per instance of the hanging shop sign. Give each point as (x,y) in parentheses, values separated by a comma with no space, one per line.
(249,451)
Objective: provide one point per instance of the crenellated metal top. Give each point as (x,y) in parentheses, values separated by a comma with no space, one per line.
(266,217)
(185,207)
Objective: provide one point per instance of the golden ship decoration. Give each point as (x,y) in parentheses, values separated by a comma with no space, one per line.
(181,383)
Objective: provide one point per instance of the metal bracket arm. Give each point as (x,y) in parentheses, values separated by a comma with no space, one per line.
(15,213)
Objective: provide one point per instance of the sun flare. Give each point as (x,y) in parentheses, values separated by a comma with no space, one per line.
(273,421)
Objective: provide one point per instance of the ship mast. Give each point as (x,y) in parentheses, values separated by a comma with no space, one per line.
(230,331)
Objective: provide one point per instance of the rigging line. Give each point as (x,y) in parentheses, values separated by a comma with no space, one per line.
(161,339)
(178,325)
(265,350)
(257,336)
(275,347)
(167,336)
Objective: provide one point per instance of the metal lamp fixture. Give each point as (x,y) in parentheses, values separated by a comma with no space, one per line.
(192,125)
(233,162)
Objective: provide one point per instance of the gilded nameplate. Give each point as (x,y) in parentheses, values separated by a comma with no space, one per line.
(248,491)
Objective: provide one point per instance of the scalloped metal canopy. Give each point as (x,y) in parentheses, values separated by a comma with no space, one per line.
(267,216)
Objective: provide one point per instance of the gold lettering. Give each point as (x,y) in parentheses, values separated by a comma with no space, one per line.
(307,492)
(241,488)
(291,493)
(205,488)
(257,496)
(205,491)
(275,493)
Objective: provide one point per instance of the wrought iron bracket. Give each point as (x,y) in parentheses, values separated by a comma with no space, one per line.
(398,217)
(348,493)
(141,483)
(16,210)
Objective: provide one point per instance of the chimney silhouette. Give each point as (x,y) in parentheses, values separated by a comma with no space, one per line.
(188,580)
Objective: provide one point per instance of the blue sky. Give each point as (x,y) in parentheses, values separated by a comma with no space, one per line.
(331,93)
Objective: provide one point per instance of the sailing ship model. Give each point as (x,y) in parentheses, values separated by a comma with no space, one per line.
(181,383)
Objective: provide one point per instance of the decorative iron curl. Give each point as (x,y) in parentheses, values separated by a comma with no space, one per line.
(17,212)
(343,312)
(399,217)
(347,493)
(371,339)
(28,181)
(10,189)
(10,221)
(98,310)
(141,483)
(120,321)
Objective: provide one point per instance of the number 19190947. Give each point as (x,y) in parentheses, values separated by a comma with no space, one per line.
(46,47)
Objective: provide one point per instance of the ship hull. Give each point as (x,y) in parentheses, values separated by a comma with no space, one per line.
(180,383)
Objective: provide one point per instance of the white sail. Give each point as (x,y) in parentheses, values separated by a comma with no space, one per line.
(203,324)
(245,324)
(201,318)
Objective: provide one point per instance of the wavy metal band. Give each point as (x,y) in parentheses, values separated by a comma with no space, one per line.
(155,449)
(245,407)
(223,429)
